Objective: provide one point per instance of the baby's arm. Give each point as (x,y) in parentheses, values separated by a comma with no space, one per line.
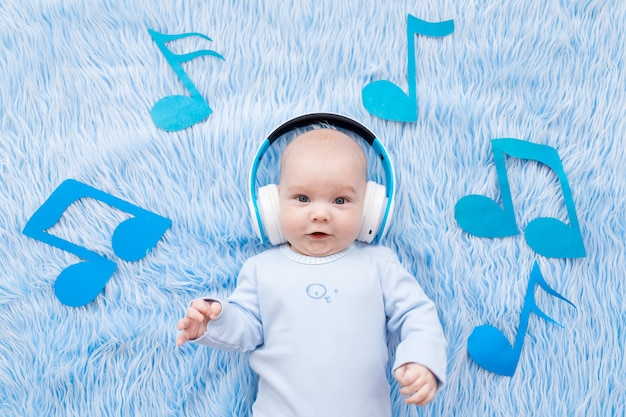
(417,382)
(235,322)
(194,324)
(413,316)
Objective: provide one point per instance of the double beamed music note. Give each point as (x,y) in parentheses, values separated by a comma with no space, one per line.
(385,99)
(133,238)
(488,346)
(550,237)
(178,112)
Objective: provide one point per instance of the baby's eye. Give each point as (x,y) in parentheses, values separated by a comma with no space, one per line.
(340,200)
(302,198)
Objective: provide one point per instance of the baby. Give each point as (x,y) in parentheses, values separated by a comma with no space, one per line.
(315,313)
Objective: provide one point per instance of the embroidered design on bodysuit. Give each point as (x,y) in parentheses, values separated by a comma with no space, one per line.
(318,292)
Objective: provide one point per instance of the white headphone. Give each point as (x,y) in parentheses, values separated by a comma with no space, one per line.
(378,200)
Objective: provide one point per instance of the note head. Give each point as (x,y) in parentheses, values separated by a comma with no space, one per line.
(177,112)
(490,349)
(483,217)
(387,101)
(552,238)
(79,284)
(134,237)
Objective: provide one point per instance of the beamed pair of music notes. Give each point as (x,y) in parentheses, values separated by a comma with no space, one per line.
(179,112)
(548,236)
(132,239)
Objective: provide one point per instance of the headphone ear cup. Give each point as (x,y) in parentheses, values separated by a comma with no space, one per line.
(374,206)
(268,206)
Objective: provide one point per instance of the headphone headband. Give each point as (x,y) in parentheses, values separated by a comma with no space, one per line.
(337,121)
(331,119)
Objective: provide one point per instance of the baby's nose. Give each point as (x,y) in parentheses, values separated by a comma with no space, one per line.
(320,213)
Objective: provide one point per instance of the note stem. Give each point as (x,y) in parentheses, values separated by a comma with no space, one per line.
(418,26)
(175,60)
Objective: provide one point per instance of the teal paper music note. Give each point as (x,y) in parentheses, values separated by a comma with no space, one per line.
(178,112)
(385,99)
(550,237)
(133,238)
(488,346)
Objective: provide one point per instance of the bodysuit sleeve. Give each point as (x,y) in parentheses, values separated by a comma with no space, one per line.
(238,327)
(412,315)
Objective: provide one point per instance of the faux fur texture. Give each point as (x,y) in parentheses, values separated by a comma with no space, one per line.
(78,80)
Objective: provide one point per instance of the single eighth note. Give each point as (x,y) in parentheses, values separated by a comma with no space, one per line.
(385,99)
(490,348)
(179,112)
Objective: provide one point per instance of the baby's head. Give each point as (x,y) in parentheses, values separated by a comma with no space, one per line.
(321,189)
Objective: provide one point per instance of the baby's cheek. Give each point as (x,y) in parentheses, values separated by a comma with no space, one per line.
(289,225)
(355,224)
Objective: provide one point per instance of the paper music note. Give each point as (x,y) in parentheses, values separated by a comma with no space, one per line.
(385,99)
(488,346)
(80,283)
(550,237)
(180,112)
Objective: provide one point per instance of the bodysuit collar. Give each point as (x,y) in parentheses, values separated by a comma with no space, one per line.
(286,250)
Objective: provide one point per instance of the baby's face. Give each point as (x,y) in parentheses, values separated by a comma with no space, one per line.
(321,191)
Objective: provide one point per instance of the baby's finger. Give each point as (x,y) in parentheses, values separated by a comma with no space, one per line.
(182,324)
(190,331)
(215,308)
(182,338)
(202,306)
(188,324)
(422,397)
(407,375)
(413,383)
(195,315)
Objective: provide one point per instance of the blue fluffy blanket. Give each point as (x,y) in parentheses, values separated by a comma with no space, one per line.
(81,84)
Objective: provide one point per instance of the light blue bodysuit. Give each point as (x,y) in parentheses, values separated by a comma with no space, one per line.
(316,329)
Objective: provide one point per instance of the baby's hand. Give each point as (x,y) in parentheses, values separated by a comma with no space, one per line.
(194,324)
(417,383)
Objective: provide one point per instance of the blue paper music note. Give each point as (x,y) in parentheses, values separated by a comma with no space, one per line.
(385,99)
(180,112)
(488,346)
(80,283)
(550,237)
